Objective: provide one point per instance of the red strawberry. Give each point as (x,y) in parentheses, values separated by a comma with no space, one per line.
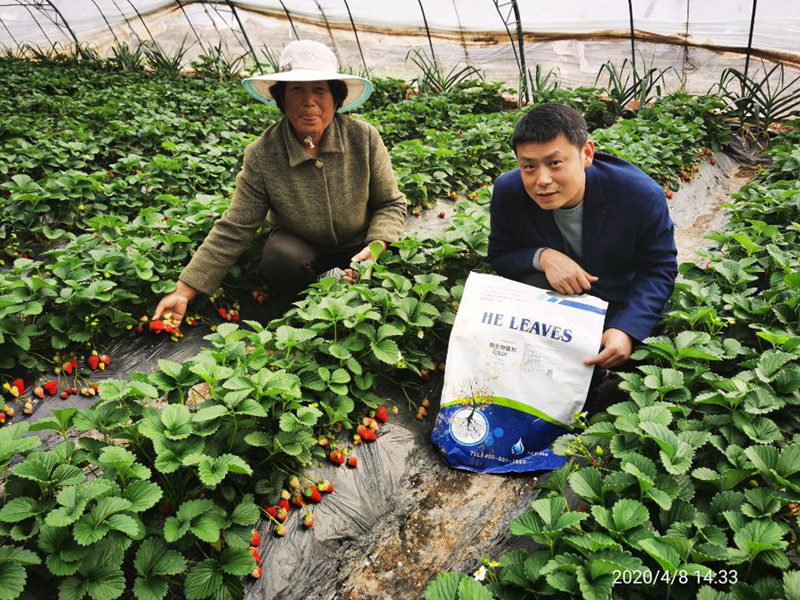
(325,485)
(713,161)
(441,215)
(38,392)
(50,387)
(256,572)
(96,388)
(2,418)
(165,508)
(308,520)
(425,375)
(255,538)
(64,395)
(222,313)
(105,359)
(312,493)
(363,431)
(280,530)
(337,457)
(352,462)
(282,514)
(93,361)
(111,174)
(272,511)
(254,553)
(297,500)
(283,503)
(426,403)
(381,414)
(156,325)
(423,411)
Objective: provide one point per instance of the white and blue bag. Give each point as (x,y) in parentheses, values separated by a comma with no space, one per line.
(515,375)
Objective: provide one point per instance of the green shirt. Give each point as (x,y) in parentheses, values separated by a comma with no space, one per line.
(344,197)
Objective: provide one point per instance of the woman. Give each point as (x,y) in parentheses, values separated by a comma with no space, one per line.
(322,181)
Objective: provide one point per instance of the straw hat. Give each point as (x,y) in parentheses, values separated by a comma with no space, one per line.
(305,60)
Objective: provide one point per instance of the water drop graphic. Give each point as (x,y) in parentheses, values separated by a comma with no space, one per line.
(518,447)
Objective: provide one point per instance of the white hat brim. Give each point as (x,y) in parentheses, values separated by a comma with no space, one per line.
(358,88)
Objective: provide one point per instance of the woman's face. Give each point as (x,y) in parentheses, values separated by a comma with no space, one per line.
(309,106)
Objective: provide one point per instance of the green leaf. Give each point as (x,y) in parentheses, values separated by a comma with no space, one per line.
(444,586)
(469,589)
(588,484)
(203,580)
(628,514)
(386,351)
(19,509)
(12,580)
(663,553)
(236,561)
(142,495)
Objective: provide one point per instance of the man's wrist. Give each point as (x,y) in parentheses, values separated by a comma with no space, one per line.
(185,290)
(537,259)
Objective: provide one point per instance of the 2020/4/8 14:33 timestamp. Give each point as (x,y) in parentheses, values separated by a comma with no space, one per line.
(679,577)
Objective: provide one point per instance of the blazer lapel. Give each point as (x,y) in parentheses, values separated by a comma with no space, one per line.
(594,213)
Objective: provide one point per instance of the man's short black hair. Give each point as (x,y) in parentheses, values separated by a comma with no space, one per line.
(546,122)
(338,90)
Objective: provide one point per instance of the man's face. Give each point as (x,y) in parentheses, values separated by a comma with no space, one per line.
(554,172)
(309,107)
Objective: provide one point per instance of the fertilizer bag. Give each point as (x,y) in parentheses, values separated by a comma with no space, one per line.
(515,375)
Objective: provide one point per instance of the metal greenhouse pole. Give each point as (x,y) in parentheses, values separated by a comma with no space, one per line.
(750,38)
(633,46)
(355,32)
(9,33)
(520,41)
(244,33)
(66,24)
(288,16)
(143,23)
(191,25)
(102,14)
(47,37)
(519,56)
(427,30)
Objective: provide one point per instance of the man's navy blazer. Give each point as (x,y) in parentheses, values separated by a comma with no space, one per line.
(628,239)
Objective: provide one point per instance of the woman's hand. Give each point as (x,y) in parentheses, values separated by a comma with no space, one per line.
(176,302)
(366,254)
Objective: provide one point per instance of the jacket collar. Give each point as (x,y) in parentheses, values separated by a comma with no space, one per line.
(331,142)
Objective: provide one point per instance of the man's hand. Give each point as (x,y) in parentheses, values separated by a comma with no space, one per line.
(616,346)
(564,274)
(176,302)
(366,254)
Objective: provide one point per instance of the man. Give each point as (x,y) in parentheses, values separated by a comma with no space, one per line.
(580,222)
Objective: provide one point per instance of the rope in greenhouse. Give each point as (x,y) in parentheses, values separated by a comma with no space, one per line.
(427,31)
(102,14)
(355,32)
(750,39)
